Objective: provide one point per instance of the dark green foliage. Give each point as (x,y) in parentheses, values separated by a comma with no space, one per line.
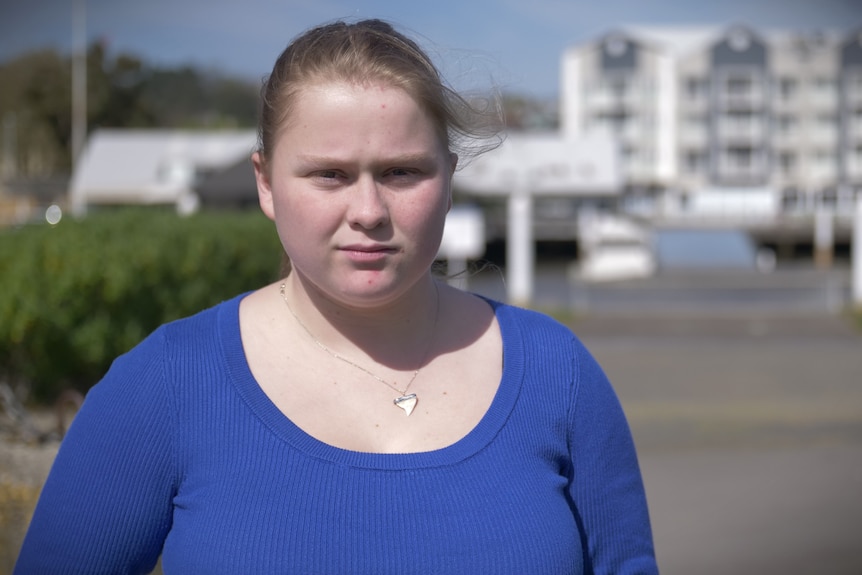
(76,295)
(122,92)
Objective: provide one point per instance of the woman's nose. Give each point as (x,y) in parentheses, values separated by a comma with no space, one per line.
(368,207)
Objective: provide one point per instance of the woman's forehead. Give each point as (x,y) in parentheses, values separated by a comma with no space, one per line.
(328,102)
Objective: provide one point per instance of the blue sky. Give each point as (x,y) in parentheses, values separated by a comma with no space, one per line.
(515,44)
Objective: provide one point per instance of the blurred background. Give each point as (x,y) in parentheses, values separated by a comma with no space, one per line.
(680,183)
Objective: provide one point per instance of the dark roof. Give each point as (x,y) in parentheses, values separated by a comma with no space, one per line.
(232,185)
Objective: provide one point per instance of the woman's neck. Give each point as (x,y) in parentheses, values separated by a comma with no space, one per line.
(395,334)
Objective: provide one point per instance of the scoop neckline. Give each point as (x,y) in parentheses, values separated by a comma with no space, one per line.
(484,432)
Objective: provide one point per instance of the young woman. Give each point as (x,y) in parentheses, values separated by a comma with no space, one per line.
(356,416)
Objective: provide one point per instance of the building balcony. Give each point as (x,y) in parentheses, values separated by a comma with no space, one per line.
(853,99)
(854,131)
(786,177)
(741,132)
(852,88)
(787,105)
(601,101)
(823,136)
(639,171)
(822,173)
(854,170)
(694,137)
(632,133)
(737,172)
(741,175)
(693,105)
(825,101)
(606,101)
(786,139)
(752,100)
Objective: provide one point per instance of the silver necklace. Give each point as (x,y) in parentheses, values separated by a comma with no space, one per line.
(406,401)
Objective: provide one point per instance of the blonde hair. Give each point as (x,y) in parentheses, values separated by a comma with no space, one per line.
(369,52)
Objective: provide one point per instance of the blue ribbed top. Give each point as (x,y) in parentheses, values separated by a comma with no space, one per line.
(178,452)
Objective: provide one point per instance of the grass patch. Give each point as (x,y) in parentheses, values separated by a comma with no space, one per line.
(16,508)
(565,316)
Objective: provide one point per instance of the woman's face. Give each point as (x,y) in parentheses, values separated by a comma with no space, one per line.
(358,186)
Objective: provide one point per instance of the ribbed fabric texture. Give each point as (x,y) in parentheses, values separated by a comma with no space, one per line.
(178,452)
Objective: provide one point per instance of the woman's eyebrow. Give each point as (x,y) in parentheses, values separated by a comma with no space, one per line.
(399,159)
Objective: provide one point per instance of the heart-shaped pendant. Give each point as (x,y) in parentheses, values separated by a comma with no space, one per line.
(407,402)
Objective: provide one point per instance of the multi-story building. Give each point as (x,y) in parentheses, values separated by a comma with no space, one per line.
(733,109)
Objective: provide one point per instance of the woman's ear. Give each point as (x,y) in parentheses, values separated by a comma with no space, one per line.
(264,189)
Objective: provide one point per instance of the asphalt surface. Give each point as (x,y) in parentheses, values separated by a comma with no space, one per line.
(744,395)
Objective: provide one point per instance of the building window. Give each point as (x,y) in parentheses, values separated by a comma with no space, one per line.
(853,84)
(825,91)
(616,45)
(696,88)
(739,86)
(787,88)
(824,164)
(694,162)
(787,162)
(694,121)
(786,124)
(740,158)
(741,89)
(824,85)
(618,87)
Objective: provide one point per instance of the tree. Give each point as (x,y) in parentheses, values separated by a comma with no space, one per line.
(122,92)
(115,91)
(35,98)
(530,113)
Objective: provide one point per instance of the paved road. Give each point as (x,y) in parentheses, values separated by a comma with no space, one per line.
(744,393)
(749,432)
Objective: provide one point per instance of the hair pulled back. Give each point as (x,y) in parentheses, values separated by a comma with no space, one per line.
(371,52)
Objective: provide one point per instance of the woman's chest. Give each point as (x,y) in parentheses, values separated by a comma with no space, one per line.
(491,514)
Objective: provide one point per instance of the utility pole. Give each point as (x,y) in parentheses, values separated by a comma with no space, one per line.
(856,254)
(10,146)
(79,79)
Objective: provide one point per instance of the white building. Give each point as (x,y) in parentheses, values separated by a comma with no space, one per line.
(717,112)
(125,167)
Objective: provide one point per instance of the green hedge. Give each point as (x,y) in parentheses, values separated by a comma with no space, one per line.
(76,295)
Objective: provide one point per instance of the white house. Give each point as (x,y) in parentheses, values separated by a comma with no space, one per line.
(153,166)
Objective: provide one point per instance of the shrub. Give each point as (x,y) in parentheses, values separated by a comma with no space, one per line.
(76,295)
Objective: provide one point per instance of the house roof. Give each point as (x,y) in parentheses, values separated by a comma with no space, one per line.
(234,184)
(152,166)
(682,40)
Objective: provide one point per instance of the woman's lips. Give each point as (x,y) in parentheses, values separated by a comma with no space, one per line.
(367,253)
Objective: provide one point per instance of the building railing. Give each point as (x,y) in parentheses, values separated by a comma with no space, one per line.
(749,99)
(748,131)
(854,130)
